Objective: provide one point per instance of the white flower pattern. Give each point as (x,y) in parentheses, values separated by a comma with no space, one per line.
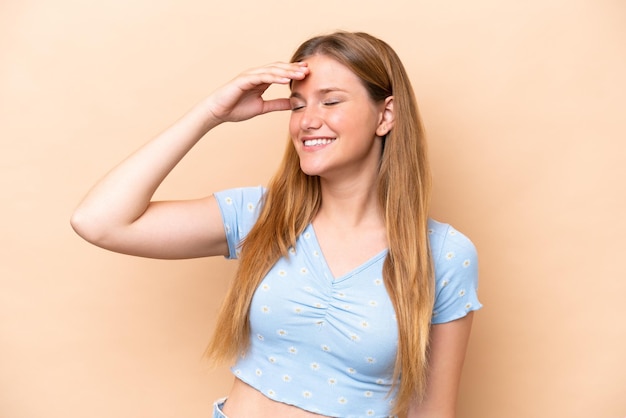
(308,323)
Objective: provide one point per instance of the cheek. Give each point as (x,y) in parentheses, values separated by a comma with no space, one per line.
(338,121)
(294,124)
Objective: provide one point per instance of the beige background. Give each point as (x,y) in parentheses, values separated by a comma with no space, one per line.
(524,105)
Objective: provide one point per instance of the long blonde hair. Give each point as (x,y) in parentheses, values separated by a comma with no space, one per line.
(404,186)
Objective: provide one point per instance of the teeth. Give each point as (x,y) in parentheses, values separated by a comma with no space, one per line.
(313,142)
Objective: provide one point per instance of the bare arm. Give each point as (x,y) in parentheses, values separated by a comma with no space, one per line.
(447,353)
(118,213)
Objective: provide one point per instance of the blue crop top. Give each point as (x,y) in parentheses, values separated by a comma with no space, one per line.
(325,344)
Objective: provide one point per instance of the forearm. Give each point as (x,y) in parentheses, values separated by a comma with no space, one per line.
(124,194)
(117,213)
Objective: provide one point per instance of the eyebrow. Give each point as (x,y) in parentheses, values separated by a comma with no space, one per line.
(321,92)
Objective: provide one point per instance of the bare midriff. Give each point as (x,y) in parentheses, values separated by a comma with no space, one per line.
(244,401)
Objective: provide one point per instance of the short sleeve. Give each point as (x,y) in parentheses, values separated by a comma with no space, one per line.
(456,273)
(240,211)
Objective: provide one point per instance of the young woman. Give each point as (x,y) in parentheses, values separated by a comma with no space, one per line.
(349,301)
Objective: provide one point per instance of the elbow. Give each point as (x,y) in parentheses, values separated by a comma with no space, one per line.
(87,227)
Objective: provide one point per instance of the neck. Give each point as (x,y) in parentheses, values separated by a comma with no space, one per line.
(349,204)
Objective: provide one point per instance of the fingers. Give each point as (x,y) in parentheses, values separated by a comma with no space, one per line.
(242,97)
(276,73)
(276,105)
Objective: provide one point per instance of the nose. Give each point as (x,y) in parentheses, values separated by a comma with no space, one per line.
(310,118)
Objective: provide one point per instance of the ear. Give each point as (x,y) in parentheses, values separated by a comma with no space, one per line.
(387,118)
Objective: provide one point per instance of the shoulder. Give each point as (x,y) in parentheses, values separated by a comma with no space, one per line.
(447,242)
(240,208)
(240,196)
(455,262)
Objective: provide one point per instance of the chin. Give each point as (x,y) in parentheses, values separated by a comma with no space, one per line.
(310,171)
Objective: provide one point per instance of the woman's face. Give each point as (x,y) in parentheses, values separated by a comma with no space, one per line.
(335,126)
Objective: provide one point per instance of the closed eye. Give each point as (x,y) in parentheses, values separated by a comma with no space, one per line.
(296,103)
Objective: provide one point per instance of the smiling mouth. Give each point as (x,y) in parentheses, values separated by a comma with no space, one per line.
(318,142)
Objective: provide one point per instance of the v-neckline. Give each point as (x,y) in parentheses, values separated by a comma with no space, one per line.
(367,263)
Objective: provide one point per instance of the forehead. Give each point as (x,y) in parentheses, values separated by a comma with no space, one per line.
(327,73)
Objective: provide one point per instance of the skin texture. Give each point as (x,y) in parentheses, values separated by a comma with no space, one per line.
(118,213)
(332,104)
(328,103)
(448,344)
